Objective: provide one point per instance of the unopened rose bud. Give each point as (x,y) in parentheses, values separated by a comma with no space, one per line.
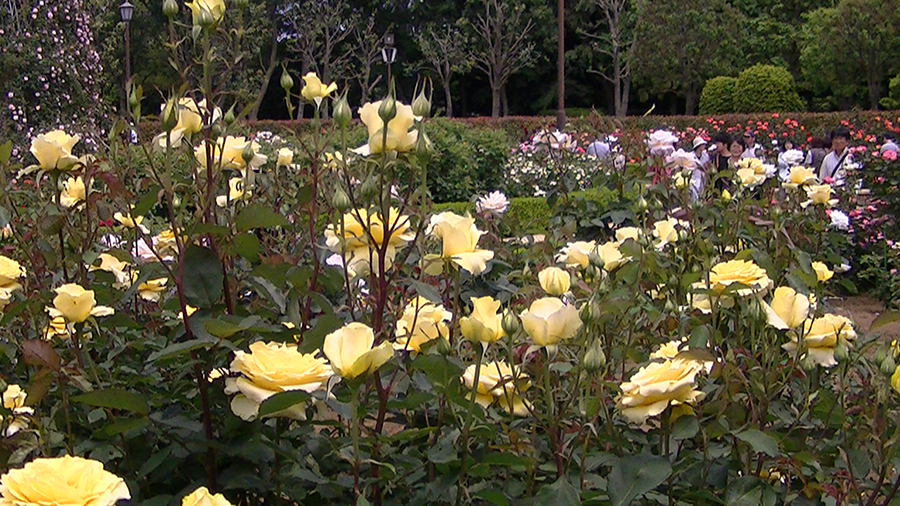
(888,366)
(342,114)
(595,260)
(217,130)
(369,188)
(340,201)
(133,99)
(641,205)
(880,355)
(423,145)
(170,8)
(594,358)
(169,116)
(176,202)
(287,82)
(205,18)
(421,106)
(510,323)
(229,116)
(388,109)
(841,352)
(808,364)
(247,154)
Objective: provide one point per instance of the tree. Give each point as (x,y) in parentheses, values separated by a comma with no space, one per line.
(444,53)
(272,61)
(366,53)
(614,35)
(674,56)
(502,45)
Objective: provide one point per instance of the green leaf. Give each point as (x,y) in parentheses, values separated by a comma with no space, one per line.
(153,462)
(5,152)
(504,459)
(749,491)
(493,497)
(176,349)
(760,442)
(145,204)
(120,427)
(115,398)
(247,246)
(634,476)
(225,329)
(883,319)
(315,337)
(560,493)
(258,216)
(282,401)
(699,337)
(202,278)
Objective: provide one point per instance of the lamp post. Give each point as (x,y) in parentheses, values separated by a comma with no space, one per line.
(561,67)
(389,54)
(125,12)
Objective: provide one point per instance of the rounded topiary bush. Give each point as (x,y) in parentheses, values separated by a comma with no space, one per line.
(717,96)
(766,88)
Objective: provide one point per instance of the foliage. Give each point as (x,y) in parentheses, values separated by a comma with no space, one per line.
(892,101)
(718,95)
(766,88)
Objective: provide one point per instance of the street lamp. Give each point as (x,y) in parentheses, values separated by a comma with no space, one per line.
(389,54)
(560,67)
(125,12)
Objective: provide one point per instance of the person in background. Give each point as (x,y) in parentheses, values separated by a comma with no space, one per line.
(889,144)
(722,142)
(833,166)
(736,150)
(817,152)
(598,148)
(751,148)
(699,147)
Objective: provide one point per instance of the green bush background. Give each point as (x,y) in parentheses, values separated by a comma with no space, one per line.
(766,88)
(717,96)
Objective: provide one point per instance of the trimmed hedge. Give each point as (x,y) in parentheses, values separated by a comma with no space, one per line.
(717,96)
(531,215)
(766,88)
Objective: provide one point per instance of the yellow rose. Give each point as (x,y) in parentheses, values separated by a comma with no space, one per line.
(611,256)
(788,308)
(285,157)
(500,383)
(228,153)
(73,192)
(485,323)
(726,195)
(64,480)
(151,290)
(202,497)
(895,380)
(656,386)
(665,232)
(819,195)
(58,327)
(577,254)
(459,240)
(130,221)
(10,273)
(76,304)
(235,192)
(549,321)
(314,90)
(823,273)
(399,137)
(53,150)
(14,400)
(554,281)
(271,368)
(190,121)
(364,234)
(351,353)
(821,335)
(117,267)
(165,244)
(799,176)
(421,322)
(626,233)
(742,272)
(672,349)
(215,9)
(750,177)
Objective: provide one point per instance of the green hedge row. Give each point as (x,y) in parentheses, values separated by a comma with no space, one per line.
(531,215)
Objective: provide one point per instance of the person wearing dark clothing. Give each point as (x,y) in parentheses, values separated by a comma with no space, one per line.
(817,152)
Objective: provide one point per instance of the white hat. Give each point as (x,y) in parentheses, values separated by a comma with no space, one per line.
(699,141)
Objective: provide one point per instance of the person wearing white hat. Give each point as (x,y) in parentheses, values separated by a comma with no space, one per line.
(699,148)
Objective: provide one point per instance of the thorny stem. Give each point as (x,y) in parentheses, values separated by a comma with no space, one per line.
(470,414)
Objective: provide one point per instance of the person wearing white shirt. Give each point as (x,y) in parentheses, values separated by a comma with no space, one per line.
(753,149)
(889,144)
(833,166)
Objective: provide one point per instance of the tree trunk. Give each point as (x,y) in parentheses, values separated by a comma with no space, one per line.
(448,97)
(495,101)
(504,103)
(273,59)
(690,101)
(874,92)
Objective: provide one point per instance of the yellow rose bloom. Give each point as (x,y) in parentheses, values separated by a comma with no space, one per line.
(364,234)
(611,257)
(118,268)
(152,289)
(672,349)
(202,497)
(285,157)
(577,254)
(742,272)
(421,322)
(228,153)
(823,273)
(131,221)
(656,386)
(190,121)
(554,281)
(788,309)
(53,150)
(165,244)
(625,233)
(215,9)
(548,321)
(895,380)
(10,273)
(799,176)
(76,304)
(14,400)
(500,383)
(666,232)
(748,177)
(821,335)
(73,192)
(351,353)
(399,137)
(235,192)
(459,240)
(485,323)
(64,480)
(313,89)
(271,368)
(819,195)
(58,328)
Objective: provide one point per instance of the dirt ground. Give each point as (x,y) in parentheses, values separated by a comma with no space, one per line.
(863,310)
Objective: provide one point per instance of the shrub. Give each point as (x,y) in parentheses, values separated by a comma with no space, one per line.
(892,101)
(467,160)
(718,95)
(766,88)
